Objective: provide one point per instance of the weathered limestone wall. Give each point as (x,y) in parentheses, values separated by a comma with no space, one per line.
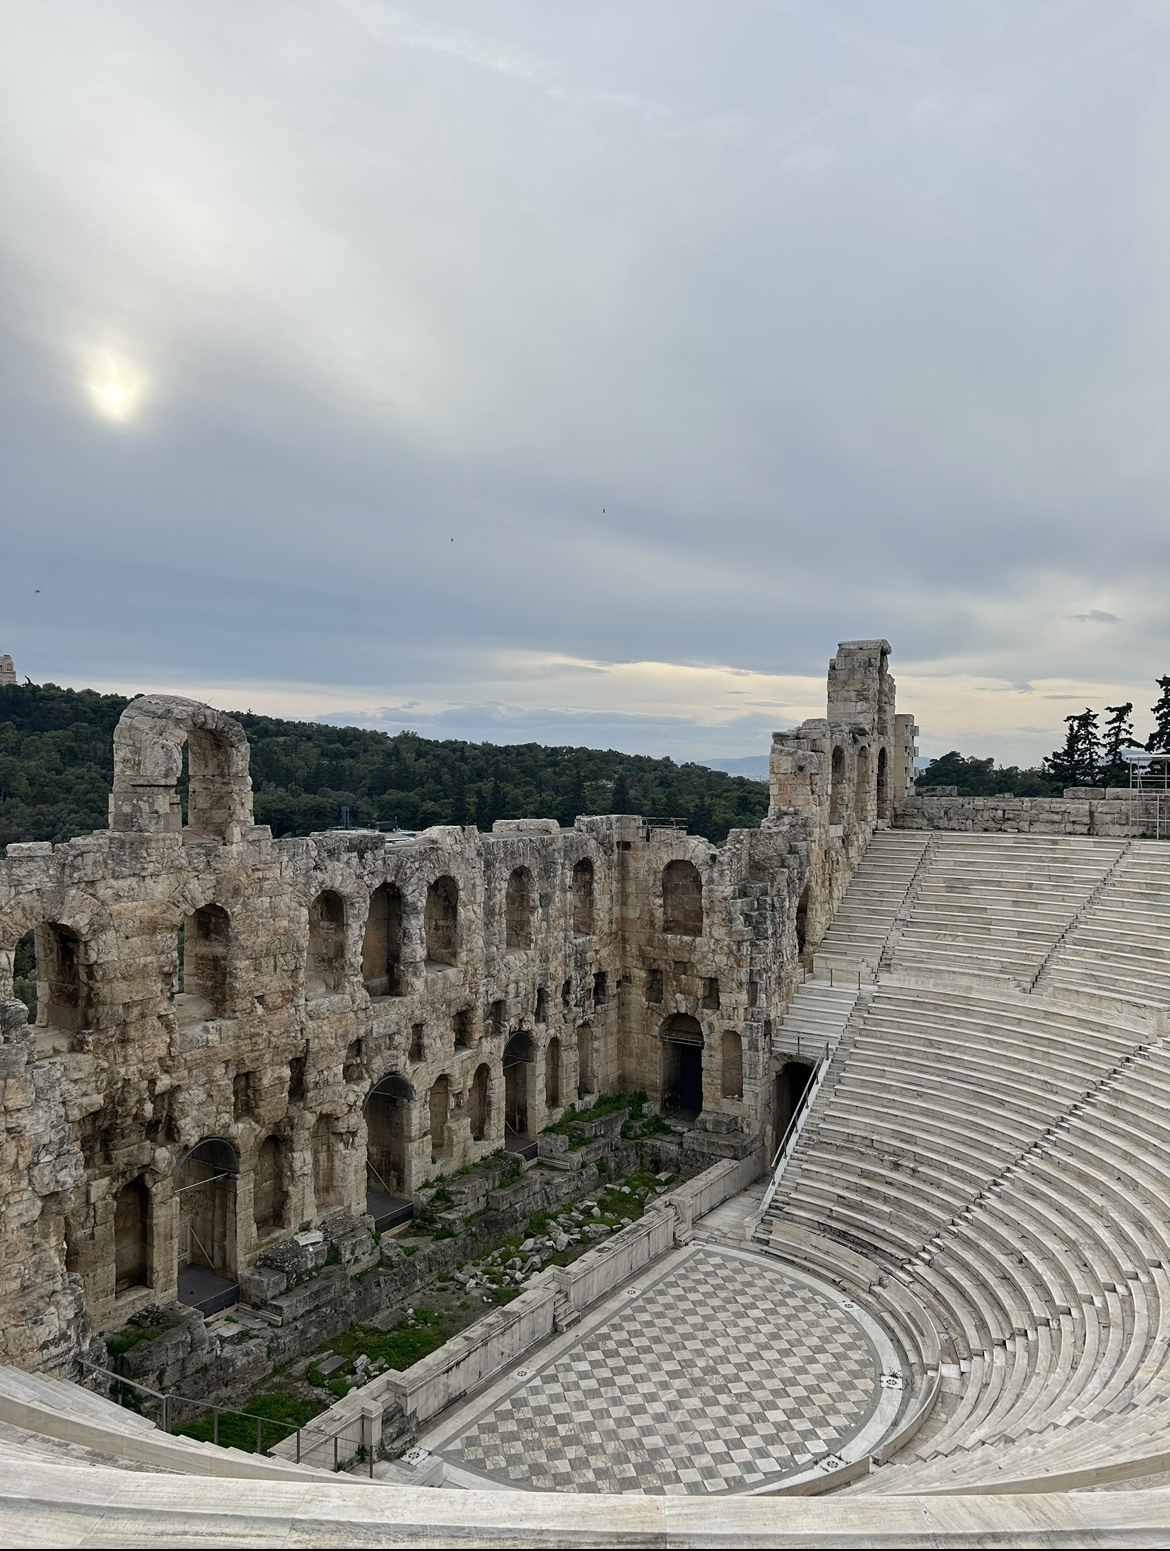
(357,1000)
(1116,813)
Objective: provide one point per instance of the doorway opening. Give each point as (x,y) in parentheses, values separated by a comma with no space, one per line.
(205,1190)
(519,1055)
(387,1111)
(682,1068)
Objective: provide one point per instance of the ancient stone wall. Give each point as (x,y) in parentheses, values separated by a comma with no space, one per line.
(1116,813)
(236,1036)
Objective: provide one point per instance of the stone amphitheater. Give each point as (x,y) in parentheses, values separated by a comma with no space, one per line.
(907,1283)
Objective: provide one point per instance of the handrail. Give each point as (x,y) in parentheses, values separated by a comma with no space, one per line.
(802,1109)
(218,1411)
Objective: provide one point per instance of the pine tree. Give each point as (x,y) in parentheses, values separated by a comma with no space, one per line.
(1159,739)
(1118,736)
(1077,763)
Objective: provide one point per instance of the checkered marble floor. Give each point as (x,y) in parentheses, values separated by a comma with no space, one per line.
(721,1375)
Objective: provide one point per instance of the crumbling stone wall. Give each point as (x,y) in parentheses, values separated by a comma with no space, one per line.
(1117,813)
(203,1107)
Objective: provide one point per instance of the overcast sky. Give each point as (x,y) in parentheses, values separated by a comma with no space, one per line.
(584,372)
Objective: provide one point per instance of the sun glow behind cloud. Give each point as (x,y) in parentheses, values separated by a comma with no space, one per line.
(114,386)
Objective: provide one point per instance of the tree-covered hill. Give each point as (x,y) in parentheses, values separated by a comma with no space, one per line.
(983,778)
(56,766)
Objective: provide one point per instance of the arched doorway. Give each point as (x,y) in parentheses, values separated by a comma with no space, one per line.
(583,898)
(837,786)
(682,1067)
(440,1108)
(883,785)
(519,1055)
(382,943)
(518,909)
(861,788)
(802,918)
(441,922)
(478,1102)
(205,1191)
(586,1061)
(268,1187)
(790,1085)
(325,967)
(387,1114)
(552,1074)
(130,1227)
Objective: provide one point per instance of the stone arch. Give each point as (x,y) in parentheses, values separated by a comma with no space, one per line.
(861,787)
(586,1060)
(731,1065)
(681,1089)
(479,1100)
(439,1101)
(518,908)
(552,1074)
(205,1188)
(204,962)
(268,1192)
(883,784)
(519,1055)
(148,760)
(131,1222)
(441,921)
(682,899)
(837,786)
(382,942)
(325,962)
(802,909)
(63,992)
(387,1114)
(583,898)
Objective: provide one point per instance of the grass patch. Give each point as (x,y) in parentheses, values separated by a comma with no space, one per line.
(239,1432)
(398,1347)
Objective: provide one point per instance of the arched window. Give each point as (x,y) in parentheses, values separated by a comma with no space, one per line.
(837,786)
(206,945)
(583,897)
(883,785)
(802,918)
(552,1074)
(149,745)
(382,943)
(325,970)
(518,910)
(861,789)
(462,1029)
(387,1113)
(440,1106)
(586,1070)
(519,1055)
(682,1066)
(478,1103)
(130,1221)
(62,992)
(441,921)
(268,1187)
(324,1187)
(732,1065)
(682,899)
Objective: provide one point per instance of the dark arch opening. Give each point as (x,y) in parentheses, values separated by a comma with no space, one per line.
(131,1215)
(802,918)
(382,943)
(325,968)
(478,1102)
(387,1116)
(586,1061)
(682,899)
(837,786)
(583,898)
(204,968)
(883,785)
(518,909)
(62,994)
(791,1083)
(552,1074)
(682,1067)
(519,1055)
(441,921)
(268,1196)
(205,1189)
(861,788)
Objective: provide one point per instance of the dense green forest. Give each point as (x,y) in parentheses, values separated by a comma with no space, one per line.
(56,766)
(981,778)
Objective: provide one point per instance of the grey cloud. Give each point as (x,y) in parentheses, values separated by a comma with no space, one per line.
(804,297)
(1096,617)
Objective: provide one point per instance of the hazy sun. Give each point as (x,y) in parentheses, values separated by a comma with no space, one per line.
(115,388)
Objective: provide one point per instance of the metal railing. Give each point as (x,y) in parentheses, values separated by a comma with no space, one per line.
(310,1441)
(792,1129)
